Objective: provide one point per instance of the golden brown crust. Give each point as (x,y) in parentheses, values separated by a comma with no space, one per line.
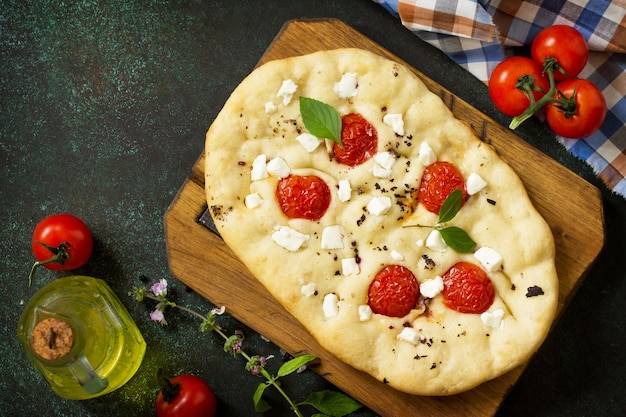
(455,351)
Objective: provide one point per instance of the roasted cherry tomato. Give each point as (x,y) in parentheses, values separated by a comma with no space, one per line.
(438,181)
(513,80)
(467,288)
(303,197)
(61,242)
(566,45)
(393,292)
(359,138)
(186,396)
(581,112)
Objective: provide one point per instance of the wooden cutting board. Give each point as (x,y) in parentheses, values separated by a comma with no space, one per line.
(200,259)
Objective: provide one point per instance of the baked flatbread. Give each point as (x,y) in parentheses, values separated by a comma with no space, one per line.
(321,270)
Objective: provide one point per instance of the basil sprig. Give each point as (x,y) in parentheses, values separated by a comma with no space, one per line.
(321,119)
(454,236)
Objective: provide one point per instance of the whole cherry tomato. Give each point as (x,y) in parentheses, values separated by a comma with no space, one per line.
(513,80)
(61,242)
(186,396)
(467,288)
(393,292)
(566,45)
(581,111)
(438,181)
(359,138)
(303,197)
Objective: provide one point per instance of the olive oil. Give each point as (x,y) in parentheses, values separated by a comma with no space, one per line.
(106,347)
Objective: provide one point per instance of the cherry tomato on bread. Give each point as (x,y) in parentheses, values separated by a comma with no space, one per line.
(566,45)
(467,288)
(507,84)
(185,396)
(581,112)
(393,292)
(303,197)
(359,138)
(61,242)
(438,181)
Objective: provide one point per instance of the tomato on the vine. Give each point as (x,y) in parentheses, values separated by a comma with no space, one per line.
(513,80)
(185,396)
(566,45)
(580,111)
(61,242)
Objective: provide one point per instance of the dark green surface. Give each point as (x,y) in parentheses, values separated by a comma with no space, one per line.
(104,106)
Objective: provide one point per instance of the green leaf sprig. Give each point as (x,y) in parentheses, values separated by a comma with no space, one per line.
(454,236)
(321,119)
(328,403)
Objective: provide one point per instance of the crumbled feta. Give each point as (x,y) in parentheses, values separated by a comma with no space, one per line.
(259,168)
(419,243)
(409,334)
(349,266)
(278,167)
(431,287)
(331,237)
(396,256)
(490,259)
(379,206)
(286,91)
(426,155)
(270,107)
(348,86)
(395,121)
(308,290)
(475,183)
(330,305)
(308,141)
(345,190)
(492,318)
(289,238)
(434,241)
(365,312)
(383,162)
(253,200)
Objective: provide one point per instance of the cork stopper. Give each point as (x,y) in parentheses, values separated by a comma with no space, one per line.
(52,338)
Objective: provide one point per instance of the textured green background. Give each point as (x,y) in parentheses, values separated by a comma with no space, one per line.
(103,110)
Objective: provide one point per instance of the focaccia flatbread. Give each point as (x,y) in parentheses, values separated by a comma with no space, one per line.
(321,270)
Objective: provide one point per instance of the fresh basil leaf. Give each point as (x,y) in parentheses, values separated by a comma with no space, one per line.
(451,206)
(260,405)
(293,365)
(321,119)
(457,239)
(332,403)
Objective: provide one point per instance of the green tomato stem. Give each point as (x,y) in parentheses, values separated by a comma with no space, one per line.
(59,255)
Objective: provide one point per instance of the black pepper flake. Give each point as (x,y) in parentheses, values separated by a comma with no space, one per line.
(534,291)
(385,381)
(513,287)
(418,357)
(433,366)
(241,163)
(428,262)
(360,221)
(406,324)
(492,202)
(337,273)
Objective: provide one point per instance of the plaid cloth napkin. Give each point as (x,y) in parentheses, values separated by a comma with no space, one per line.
(478,34)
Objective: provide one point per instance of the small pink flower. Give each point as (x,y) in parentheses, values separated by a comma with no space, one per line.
(157,315)
(160,288)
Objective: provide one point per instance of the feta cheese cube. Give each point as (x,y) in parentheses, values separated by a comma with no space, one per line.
(278,167)
(309,142)
(345,190)
(253,200)
(270,107)
(286,91)
(434,241)
(490,259)
(349,266)
(348,86)
(395,121)
(383,162)
(492,318)
(331,237)
(426,155)
(379,206)
(396,256)
(288,238)
(259,168)
(409,334)
(330,305)
(431,287)
(308,290)
(475,183)
(365,312)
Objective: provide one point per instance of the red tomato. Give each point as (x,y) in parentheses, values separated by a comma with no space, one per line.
(360,140)
(438,181)
(566,45)
(393,292)
(303,197)
(508,75)
(583,112)
(467,288)
(186,396)
(62,242)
